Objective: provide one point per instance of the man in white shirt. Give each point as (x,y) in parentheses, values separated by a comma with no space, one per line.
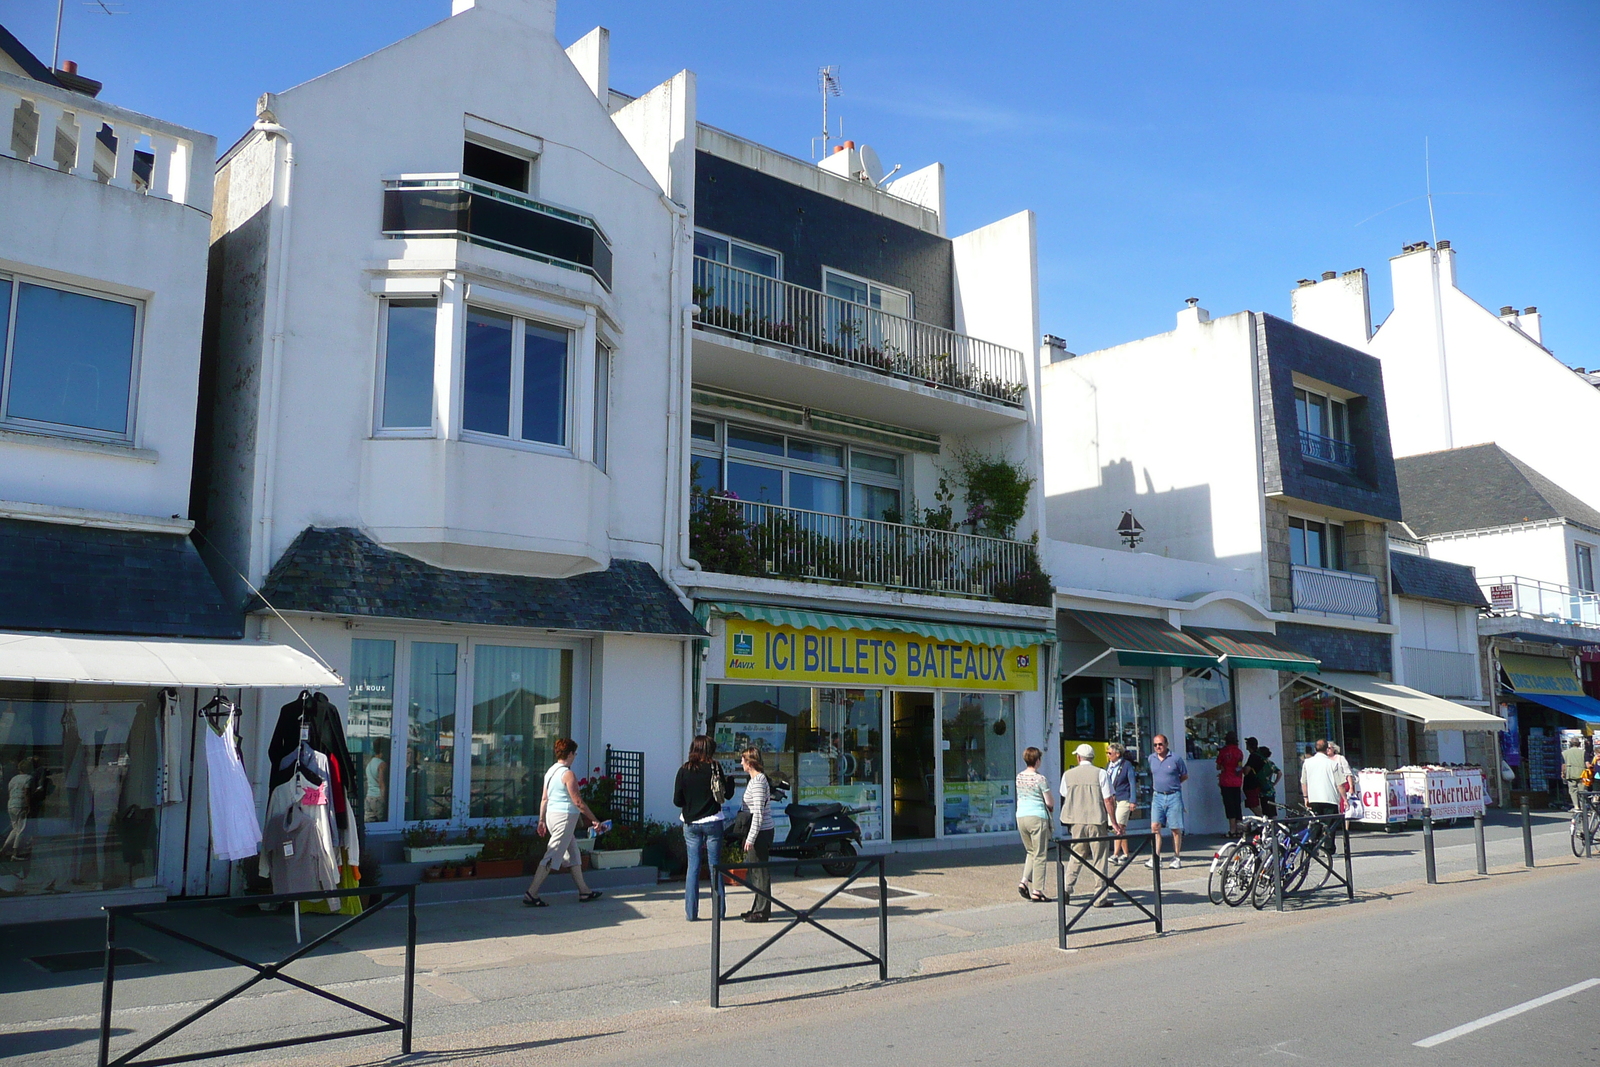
(1320,782)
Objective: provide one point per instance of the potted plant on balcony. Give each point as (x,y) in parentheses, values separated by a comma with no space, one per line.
(426,843)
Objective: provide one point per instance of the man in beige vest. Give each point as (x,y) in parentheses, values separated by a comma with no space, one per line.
(1086,807)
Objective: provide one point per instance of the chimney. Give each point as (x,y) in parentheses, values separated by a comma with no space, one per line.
(844,160)
(67,74)
(1338,307)
(1528,323)
(1055,349)
(1192,315)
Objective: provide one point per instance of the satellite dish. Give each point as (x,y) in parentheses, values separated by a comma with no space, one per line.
(871,166)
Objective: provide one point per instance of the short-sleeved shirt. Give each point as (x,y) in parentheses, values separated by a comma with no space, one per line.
(1320,780)
(1167,775)
(1264,777)
(1228,760)
(1031,786)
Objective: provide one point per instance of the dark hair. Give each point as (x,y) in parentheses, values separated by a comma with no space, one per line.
(752,756)
(1251,742)
(1264,750)
(1230,738)
(1031,756)
(565,746)
(700,750)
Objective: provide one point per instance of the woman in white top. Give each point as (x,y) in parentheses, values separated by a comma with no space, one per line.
(758,842)
(559,810)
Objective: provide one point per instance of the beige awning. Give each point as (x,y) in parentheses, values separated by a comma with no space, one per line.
(1434,713)
(158,662)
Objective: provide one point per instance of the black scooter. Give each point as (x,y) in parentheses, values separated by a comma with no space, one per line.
(822,832)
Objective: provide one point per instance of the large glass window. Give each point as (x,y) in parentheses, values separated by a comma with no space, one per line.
(369,723)
(1100,710)
(1316,715)
(1585,560)
(81,765)
(1209,714)
(1321,415)
(431,731)
(980,762)
(521,703)
(872,294)
(740,254)
(767,467)
(826,743)
(70,360)
(1316,544)
(515,378)
(407,378)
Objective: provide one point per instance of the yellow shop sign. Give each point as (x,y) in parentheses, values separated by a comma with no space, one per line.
(759,651)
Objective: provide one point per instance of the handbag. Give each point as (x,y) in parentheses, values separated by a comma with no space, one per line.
(739,829)
(1353,808)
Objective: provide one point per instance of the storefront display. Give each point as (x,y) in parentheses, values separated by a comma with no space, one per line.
(980,763)
(1209,714)
(1096,711)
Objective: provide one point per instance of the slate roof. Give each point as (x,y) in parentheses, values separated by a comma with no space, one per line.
(1434,579)
(342,571)
(1478,488)
(81,579)
(24,58)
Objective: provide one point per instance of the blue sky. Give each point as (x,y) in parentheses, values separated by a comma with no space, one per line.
(1170,150)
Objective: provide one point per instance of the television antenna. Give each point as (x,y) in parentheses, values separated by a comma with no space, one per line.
(827,85)
(108,7)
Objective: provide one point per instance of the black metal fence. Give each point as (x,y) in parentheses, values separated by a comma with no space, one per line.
(798,916)
(136,913)
(627,800)
(1294,855)
(1101,876)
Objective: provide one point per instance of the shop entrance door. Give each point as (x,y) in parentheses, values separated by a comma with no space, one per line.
(913,762)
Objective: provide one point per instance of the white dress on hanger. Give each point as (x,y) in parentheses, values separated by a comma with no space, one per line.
(235,834)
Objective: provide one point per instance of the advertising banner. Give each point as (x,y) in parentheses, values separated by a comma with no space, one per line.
(1451,792)
(979,807)
(1383,795)
(759,651)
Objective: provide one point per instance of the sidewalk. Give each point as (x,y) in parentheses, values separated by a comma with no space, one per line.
(484,963)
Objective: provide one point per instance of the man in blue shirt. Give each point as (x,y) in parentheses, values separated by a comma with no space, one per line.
(1168,772)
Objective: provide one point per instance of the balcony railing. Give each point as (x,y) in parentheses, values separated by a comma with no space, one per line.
(1327,450)
(1336,593)
(1533,599)
(1444,674)
(79,135)
(765,540)
(777,312)
(452,206)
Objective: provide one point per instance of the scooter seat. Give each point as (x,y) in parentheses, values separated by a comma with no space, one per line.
(812,812)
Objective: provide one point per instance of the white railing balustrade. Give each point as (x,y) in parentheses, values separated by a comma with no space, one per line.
(1444,674)
(1336,593)
(777,312)
(79,135)
(1532,599)
(815,546)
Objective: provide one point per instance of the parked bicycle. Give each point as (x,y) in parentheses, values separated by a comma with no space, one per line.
(1585,823)
(1244,869)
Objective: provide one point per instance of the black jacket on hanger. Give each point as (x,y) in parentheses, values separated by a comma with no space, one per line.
(326,734)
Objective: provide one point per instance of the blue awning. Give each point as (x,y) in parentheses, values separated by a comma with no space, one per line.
(1585,709)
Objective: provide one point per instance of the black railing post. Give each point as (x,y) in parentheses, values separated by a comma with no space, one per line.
(1427,845)
(1483,849)
(1527,834)
(1349,870)
(1155,867)
(716,940)
(411,966)
(1061,895)
(105,992)
(883,922)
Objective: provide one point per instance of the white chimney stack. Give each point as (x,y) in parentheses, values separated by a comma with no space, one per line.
(1338,307)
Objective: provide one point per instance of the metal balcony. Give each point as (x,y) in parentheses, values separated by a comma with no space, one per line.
(771,311)
(1336,593)
(765,540)
(1533,599)
(1327,450)
(452,206)
(1444,674)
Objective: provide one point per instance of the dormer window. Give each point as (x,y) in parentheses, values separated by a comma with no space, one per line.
(1324,428)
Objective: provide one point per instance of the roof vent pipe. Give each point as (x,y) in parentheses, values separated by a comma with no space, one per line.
(1508,310)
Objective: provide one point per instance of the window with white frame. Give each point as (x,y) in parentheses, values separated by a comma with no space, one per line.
(68,359)
(515,378)
(875,295)
(405,379)
(740,254)
(1585,566)
(602,401)
(1313,543)
(771,467)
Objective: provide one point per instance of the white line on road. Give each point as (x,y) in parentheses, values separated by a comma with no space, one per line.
(1501,1016)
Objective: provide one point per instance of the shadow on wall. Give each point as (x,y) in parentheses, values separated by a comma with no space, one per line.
(1178,523)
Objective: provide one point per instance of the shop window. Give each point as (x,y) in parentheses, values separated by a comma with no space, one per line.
(515,383)
(1316,716)
(82,769)
(1209,714)
(980,762)
(1101,710)
(430,731)
(1316,544)
(406,378)
(521,703)
(826,743)
(369,723)
(69,365)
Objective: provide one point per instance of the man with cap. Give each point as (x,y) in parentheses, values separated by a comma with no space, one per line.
(1086,810)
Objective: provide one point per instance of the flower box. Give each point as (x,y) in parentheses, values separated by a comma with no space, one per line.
(605,859)
(585,844)
(442,853)
(499,868)
(735,872)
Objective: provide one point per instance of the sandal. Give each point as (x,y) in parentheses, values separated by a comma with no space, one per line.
(584,898)
(531,901)
(1022,891)
(1041,898)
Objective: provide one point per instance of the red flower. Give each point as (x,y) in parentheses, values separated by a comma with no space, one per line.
(617,778)
(583,781)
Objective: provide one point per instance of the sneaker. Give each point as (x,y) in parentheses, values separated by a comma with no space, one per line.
(1150,864)
(1124,859)
(1174,864)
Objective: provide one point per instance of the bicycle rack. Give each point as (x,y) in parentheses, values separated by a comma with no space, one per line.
(807,916)
(1065,845)
(1336,824)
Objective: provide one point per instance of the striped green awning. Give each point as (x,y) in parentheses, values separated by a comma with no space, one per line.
(1250,649)
(799,618)
(1144,642)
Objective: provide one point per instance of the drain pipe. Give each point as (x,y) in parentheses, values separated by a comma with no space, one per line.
(267,458)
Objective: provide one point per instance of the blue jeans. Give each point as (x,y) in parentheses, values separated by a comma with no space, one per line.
(697,836)
(1166,811)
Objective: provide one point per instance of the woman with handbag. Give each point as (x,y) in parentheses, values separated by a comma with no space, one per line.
(699,792)
(559,811)
(758,838)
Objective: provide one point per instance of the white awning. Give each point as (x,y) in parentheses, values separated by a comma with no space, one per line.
(158,662)
(1434,713)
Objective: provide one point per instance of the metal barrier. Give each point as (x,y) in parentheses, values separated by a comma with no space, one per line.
(1527,834)
(1428,863)
(264,972)
(1066,845)
(1317,853)
(860,864)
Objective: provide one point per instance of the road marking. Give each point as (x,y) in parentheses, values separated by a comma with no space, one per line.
(1502,1016)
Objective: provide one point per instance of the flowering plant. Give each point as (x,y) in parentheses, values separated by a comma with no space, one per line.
(597,790)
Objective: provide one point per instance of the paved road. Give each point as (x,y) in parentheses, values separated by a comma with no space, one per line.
(494,976)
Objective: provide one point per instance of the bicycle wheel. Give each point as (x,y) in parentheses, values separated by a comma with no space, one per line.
(1297,863)
(1265,884)
(1218,863)
(1238,875)
(1577,839)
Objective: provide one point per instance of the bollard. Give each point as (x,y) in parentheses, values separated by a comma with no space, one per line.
(1427,845)
(1527,835)
(716,939)
(1483,853)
